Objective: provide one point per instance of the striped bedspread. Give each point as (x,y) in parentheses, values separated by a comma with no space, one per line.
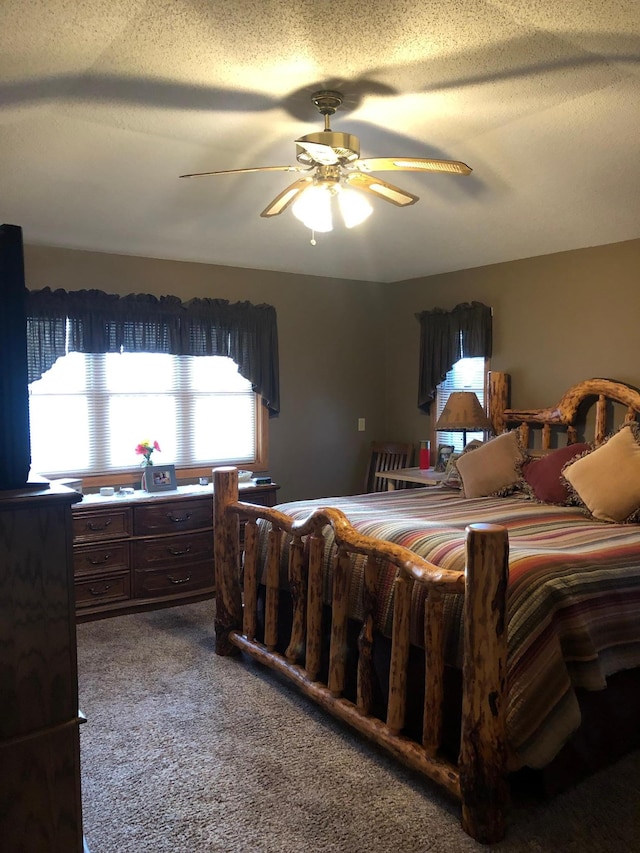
(573,596)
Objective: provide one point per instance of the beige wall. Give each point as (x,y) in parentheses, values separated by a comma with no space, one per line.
(350,349)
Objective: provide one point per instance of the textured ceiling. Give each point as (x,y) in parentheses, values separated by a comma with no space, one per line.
(105,104)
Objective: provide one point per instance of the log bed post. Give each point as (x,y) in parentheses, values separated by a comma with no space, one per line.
(314,604)
(226,555)
(483,751)
(498,394)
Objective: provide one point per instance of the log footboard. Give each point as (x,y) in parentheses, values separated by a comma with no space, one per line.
(478,779)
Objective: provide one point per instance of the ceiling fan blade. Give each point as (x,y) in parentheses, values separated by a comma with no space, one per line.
(254,169)
(411,164)
(382,189)
(282,201)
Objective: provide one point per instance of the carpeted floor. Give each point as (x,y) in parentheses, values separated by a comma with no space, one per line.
(187,751)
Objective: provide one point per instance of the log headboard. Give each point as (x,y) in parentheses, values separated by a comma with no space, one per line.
(567,416)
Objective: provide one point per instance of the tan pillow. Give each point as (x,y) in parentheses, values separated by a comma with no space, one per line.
(492,468)
(607,480)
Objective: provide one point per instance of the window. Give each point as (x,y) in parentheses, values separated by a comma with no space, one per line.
(468,374)
(88,413)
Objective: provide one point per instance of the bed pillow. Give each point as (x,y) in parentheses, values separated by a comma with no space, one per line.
(607,480)
(493,468)
(542,477)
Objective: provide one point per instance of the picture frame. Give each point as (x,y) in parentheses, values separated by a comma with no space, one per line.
(445,452)
(450,467)
(160,478)
(451,476)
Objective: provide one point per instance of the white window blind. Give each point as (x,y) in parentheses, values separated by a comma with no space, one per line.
(88,413)
(468,374)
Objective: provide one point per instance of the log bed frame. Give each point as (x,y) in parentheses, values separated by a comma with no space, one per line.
(479,778)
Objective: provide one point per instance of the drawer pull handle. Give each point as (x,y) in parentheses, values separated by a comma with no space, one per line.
(176,552)
(93,526)
(179,518)
(95,591)
(95,562)
(179,580)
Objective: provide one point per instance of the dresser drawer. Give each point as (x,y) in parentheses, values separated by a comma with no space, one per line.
(263,496)
(101,524)
(177,579)
(102,588)
(173,551)
(172,517)
(93,558)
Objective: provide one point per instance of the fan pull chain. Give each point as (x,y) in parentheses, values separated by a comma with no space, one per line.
(313,237)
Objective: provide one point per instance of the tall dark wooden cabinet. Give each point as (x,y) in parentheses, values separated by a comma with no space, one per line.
(40,798)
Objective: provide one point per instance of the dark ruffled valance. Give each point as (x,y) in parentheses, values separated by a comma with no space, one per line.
(445,338)
(92,321)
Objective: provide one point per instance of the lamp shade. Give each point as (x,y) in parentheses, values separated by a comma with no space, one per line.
(354,207)
(463,411)
(313,207)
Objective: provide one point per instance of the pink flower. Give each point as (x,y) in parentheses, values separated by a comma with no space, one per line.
(145,448)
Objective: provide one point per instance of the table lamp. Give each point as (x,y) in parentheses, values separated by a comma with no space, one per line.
(462,411)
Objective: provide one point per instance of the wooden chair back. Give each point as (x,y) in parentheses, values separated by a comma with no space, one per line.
(386,456)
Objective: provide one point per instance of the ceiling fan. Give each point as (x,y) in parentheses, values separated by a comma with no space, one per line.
(332,166)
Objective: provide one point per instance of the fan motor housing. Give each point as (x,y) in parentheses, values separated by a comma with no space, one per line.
(345,145)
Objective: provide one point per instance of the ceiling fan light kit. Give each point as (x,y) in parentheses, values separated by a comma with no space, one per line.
(333,169)
(313,207)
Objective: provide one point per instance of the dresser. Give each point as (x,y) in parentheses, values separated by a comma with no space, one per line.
(133,552)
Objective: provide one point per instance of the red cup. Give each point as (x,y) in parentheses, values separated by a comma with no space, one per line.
(425,455)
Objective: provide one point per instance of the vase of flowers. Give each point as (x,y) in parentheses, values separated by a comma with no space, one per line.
(145,449)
